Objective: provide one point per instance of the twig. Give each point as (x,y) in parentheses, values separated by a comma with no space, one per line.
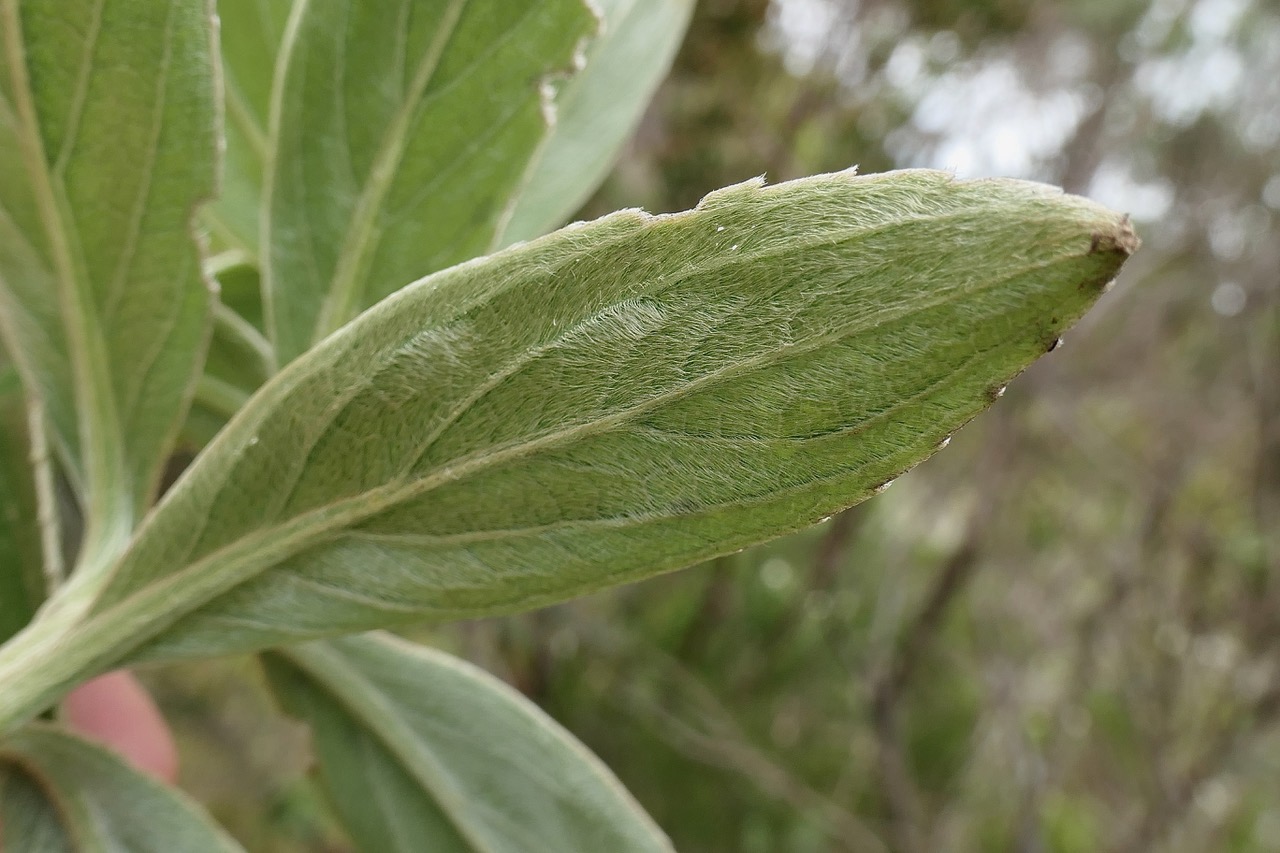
(902,799)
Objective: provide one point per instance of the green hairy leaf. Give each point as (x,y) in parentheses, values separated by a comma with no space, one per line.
(61,793)
(597,109)
(421,751)
(618,399)
(109,146)
(409,159)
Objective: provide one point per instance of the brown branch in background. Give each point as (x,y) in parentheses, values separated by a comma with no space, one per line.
(842,531)
(684,712)
(903,799)
(716,603)
(906,812)
(1227,743)
(830,557)
(729,749)
(1266,394)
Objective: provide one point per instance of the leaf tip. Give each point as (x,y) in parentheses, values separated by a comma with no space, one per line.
(1120,238)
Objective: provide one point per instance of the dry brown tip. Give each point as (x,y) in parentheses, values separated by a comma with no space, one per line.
(1122,238)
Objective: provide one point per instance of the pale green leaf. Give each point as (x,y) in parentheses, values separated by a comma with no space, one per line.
(107,145)
(421,751)
(62,793)
(615,400)
(250,35)
(402,132)
(598,109)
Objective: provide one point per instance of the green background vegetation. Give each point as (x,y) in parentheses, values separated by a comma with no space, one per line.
(1062,633)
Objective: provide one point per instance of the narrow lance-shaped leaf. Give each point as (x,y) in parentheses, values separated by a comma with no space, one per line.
(597,109)
(617,399)
(250,35)
(107,145)
(421,751)
(61,793)
(401,132)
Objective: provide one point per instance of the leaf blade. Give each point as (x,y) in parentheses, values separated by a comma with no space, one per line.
(427,137)
(372,719)
(30,818)
(106,309)
(598,109)
(64,785)
(441,477)
(620,398)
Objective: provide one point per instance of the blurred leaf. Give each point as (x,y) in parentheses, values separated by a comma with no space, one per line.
(598,109)
(1070,826)
(421,751)
(240,357)
(616,400)
(410,161)
(59,792)
(109,144)
(250,33)
(26,815)
(21,582)
(239,286)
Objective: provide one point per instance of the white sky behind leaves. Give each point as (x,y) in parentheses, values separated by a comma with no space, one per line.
(983,116)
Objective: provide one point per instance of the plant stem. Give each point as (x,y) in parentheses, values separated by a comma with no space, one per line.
(46,499)
(230,326)
(37,665)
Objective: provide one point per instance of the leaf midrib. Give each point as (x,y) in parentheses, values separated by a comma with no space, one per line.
(107,479)
(477,536)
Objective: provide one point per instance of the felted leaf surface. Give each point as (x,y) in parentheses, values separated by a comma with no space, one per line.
(615,400)
(60,793)
(598,109)
(402,131)
(107,145)
(421,751)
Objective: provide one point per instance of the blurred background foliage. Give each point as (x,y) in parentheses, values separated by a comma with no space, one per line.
(1063,633)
